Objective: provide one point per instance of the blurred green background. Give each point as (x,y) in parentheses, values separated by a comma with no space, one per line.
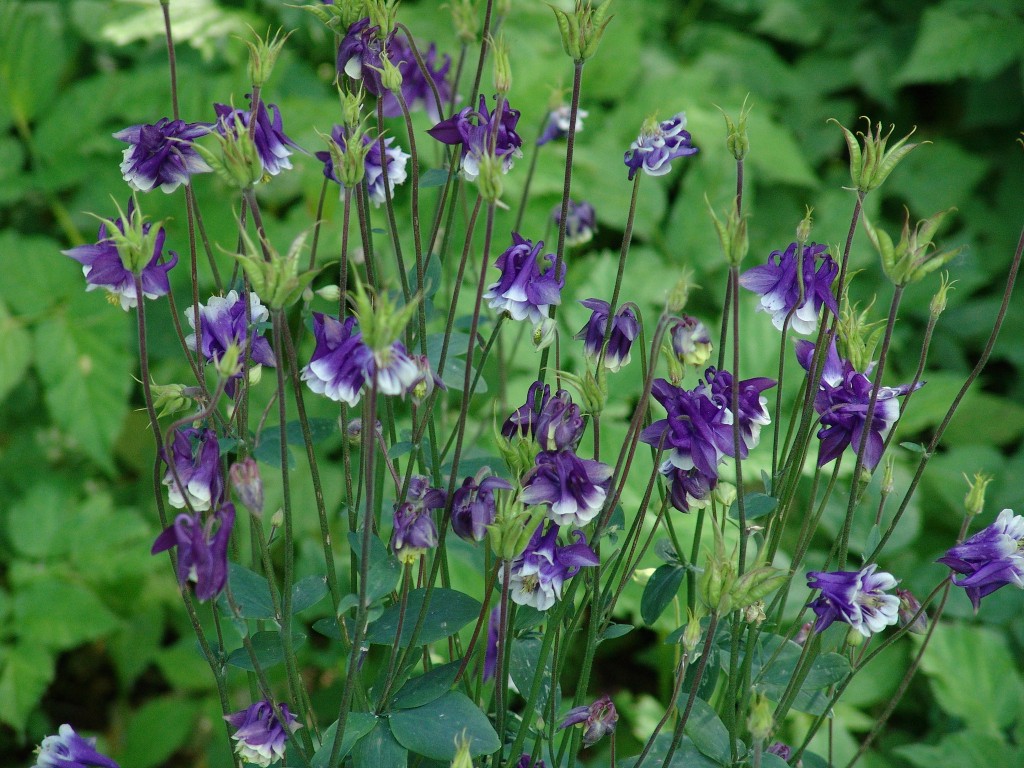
(91,630)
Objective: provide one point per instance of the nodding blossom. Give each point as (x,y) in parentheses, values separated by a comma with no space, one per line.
(658,145)
(858,598)
(414,530)
(539,572)
(528,285)
(161,154)
(260,737)
(990,559)
(481,132)
(779,286)
(580,222)
(573,489)
(202,552)
(224,322)
(69,750)
(625,328)
(195,480)
(373,165)
(273,147)
(557,126)
(473,505)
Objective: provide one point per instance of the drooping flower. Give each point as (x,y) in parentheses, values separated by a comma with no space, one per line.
(473,505)
(857,598)
(202,552)
(373,165)
(360,52)
(658,145)
(161,154)
(104,268)
(580,222)
(557,126)
(781,750)
(525,762)
(691,342)
(414,529)
(990,559)
(195,456)
(573,489)
(260,736)
(625,329)
(538,573)
(69,750)
(752,413)
(598,719)
(909,607)
(342,364)
(523,421)
(416,88)
(528,285)
(842,401)
(272,145)
(778,283)
(481,132)
(224,323)
(559,424)
(691,488)
(246,480)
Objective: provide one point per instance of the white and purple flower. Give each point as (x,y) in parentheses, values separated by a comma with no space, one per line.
(523,421)
(202,552)
(559,424)
(691,342)
(557,126)
(990,559)
(573,489)
(272,145)
(473,505)
(414,529)
(528,285)
(69,750)
(538,573)
(779,285)
(858,598)
(580,222)
(416,90)
(260,736)
(598,719)
(161,154)
(360,52)
(195,455)
(658,145)
(373,164)
(224,323)
(480,132)
(751,404)
(625,329)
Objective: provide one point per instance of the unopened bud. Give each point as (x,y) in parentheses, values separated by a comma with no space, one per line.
(938,303)
(736,133)
(680,293)
(329,292)
(229,364)
(692,633)
(732,235)
(759,722)
(909,607)
(854,638)
(544,333)
(974,501)
(502,67)
(262,57)
(170,398)
(277,519)
(390,76)
(463,758)
(245,479)
(352,109)
(803,229)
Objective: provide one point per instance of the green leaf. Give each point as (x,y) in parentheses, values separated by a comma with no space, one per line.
(308,592)
(15,352)
(523,669)
(613,631)
(662,587)
(33,54)
(267,648)
(426,688)
(433,177)
(384,569)
(768,760)
(431,730)
(686,756)
(26,669)
(357,725)
(755,505)
(706,729)
(967,749)
(251,593)
(36,275)
(35,522)
(59,614)
(157,730)
(379,749)
(449,612)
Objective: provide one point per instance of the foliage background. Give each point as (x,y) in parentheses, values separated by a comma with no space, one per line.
(90,629)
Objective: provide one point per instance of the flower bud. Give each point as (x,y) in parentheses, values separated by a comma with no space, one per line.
(974,501)
(463,758)
(513,526)
(262,57)
(938,303)
(277,519)
(854,638)
(736,138)
(888,484)
(581,29)
(909,606)
(716,584)
(692,633)
(643,575)
(391,76)
(245,479)
(329,292)
(759,721)
(171,398)
(229,364)
(134,239)
(870,166)
(544,333)
(803,229)
(680,293)
(465,19)
(805,631)
(502,67)
(754,613)
(351,110)
(276,279)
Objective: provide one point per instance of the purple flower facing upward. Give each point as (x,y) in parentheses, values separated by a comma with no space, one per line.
(162,155)
(573,489)
(691,342)
(202,553)
(580,222)
(69,750)
(342,363)
(479,132)
(473,505)
(373,165)
(598,719)
(752,405)
(416,88)
(625,328)
(223,322)
(103,267)
(557,126)
(538,573)
(528,286)
(360,52)
(523,421)
(857,598)
(990,559)
(414,530)
(842,402)
(272,145)
(195,455)
(658,145)
(779,286)
(260,737)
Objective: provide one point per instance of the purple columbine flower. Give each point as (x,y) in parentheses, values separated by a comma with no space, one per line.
(478,132)
(223,322)
(202,553)
(260,737)
(196,458)
(473,505)
(414,530)
(491,650)
(781,750)
(373,165)
(691,342)
(691,488)
(573,489)
(103,267)
(857,598)
(598,719)
(342,363)
(658,145)
(272,145)
(557,126)
(523,421)
(69,750)
(909,607)
(779,286)
(580,222)
(416,88)
(538,573)
(360,52)
(752,405)
(990,559)
(528,286)
(162,154)
(246,480)
(559,424)
(842,402)
(625,329)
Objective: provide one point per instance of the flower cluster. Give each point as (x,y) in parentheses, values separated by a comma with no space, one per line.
(798,286)
(69,750)
(658,145)
(161,154)
(273,147)
(374,164)
(481,132)
(858,598)
(414,529)
(260,736)
(625,328)
(990,559)
(528,285)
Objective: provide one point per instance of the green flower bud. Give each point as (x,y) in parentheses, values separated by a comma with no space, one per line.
(732,235)
(544,333)
(463,758)
(759,721)
(581,30)
(913,257)
(756,584)
(859,336)
(518,453)
(263,56)
(329,292)
(277,519)
(351,110)
(513,525)
(680,293)
(465,19)
(888,485)
(502,67)
(390,75)
(229,364)
(803,229)
(692,633)
(716,584)
(276,279)
(236,160)
(172,398)
(736,133)
(938,303)
(871,166)
(490,182)
(974,501)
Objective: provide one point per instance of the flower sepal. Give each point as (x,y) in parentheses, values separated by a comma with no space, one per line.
(276,279)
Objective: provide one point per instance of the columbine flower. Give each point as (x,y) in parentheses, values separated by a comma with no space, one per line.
(161,154)
(373,164)
(990,559)
(781,750)
(523,421)
(342,364)
(857,598)
(573,489)
(528,285)
(691,488)
(359,55)
(598,718)
(559,423)
(416,88)
(779,286)
(196,459)
(473,505)
(752,405)
(696,433)
(909,607)
(478,131)
(202,553)
(414,530)
(691,342)
(69,750)
(658,145)
(557,126)
(272,146)
(842,402)
(260,736)
(224,323)
(538,573)
(625,329)
(103,267)
(246,480)
(580,222)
